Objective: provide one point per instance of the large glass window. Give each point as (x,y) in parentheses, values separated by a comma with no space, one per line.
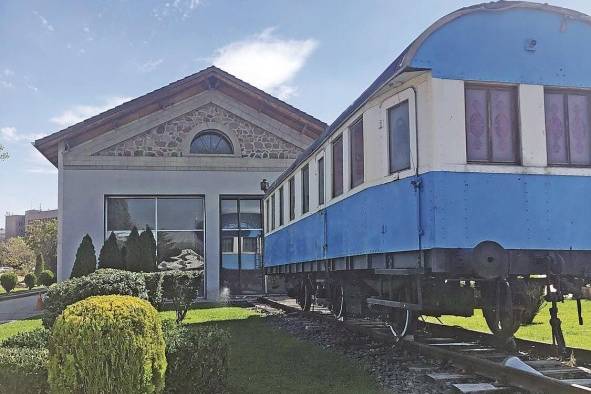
(291,198)
(491,124)
(321,181)
(357,171)
(399,137)
(178,223)
(337,166)
(568,128)
(305,189)
(241,245)
(281,205)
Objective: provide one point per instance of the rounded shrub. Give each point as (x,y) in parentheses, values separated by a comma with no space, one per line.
(8,281)
(30,280)
(46,278)
(107,344)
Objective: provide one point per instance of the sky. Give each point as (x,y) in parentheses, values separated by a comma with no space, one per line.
(64,61)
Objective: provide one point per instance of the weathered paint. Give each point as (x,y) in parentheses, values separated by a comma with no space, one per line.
(491,46)
(459,210)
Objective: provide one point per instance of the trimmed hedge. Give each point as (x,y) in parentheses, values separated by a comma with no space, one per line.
(30,280)
(107,344)
(197,358)
(36,339)
(154,287)
(23,370)
(8,281)
(182,288)
(46,278)
(101,282)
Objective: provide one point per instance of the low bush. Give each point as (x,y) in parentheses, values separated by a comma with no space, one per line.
(36,339)
(30,280)
(181,287)
(23,370)
(107,344)
(154,287)
(197,358)
(46,278)
(8,280)
(101,282)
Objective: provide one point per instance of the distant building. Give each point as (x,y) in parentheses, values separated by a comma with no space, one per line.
(2,234)
(16,225)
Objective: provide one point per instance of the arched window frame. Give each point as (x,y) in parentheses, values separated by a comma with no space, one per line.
(213,127)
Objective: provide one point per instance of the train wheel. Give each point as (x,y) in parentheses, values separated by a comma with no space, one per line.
(402,322)
(304,297)
(337,300)
(502,295)
(505,325)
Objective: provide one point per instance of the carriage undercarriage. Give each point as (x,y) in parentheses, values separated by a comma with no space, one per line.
(508,286)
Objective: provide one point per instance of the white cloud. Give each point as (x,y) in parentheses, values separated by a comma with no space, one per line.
(149,66)
(8,72)
(78,113)
(6,84)
(10,134)
(44,21)
(266,61)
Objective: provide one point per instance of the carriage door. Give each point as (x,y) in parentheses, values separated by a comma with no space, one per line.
(241,238)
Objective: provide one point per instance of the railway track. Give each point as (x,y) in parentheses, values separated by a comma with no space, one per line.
(473,354)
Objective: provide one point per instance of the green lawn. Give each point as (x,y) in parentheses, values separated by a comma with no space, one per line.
(575,335)
(263,359)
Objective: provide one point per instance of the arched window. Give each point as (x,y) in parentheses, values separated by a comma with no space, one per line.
(211,142)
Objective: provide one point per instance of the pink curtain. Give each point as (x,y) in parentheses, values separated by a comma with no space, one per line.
(579,135)
(555,135)
(476,124)
(504,125)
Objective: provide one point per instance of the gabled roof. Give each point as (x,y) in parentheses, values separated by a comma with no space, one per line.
(211,78)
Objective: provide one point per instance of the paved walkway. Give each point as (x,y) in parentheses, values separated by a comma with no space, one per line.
(18,308)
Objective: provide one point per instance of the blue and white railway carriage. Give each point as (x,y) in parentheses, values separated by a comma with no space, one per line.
(460,173)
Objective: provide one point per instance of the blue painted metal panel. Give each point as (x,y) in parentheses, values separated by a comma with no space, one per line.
(490,46)
(459,210)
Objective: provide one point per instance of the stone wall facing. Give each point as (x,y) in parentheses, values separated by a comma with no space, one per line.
(172,138)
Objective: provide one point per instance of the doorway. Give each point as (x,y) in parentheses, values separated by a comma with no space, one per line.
(241,245)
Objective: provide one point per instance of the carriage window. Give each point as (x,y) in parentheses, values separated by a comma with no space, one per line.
(321,181)
(292,199)
(337,166)
(568,134)
(305,189)
(491,124)
(273,212)
(281,206)
(399,137)
(357,172)
(268,214)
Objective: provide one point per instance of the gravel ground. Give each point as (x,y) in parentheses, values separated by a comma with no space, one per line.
(395,369)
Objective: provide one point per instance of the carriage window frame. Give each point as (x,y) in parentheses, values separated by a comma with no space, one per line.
(292,197)
(321,167)
(488,87)
(334,191)
(305,173)
(281,206)
(273,211)
(356,127)
(565,113)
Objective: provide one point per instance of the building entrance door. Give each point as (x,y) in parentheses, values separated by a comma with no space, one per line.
(241,239)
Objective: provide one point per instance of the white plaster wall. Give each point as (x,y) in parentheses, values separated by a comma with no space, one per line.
(82,194)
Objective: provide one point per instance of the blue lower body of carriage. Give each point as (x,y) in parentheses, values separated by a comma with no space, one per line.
(457,210)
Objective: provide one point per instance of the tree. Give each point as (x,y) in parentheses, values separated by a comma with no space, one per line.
(110,255)
(148,251)
(39,265)
(3,154)
(133,255)
(46,278)
(15,253)
(85,262)
(9,281)
(42,238)
(30,280)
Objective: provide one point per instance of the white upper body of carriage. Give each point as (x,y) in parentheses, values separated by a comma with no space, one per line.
(498,89)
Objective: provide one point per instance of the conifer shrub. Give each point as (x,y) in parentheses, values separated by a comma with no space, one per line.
(39,266)
(46,278)
(8,281)
(101,282)
(133,254)
(30,280)
(107,344)
(110,255)
(85,262)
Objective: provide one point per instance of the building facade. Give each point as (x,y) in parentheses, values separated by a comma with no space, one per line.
(16,225)
(187,161)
